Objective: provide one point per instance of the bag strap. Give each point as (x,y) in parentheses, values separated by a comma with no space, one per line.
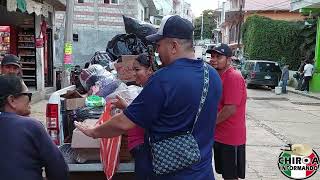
(204,92)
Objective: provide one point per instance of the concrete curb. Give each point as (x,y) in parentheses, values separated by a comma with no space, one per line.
(303,94)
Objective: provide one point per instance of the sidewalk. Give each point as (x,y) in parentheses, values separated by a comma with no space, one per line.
(310,94)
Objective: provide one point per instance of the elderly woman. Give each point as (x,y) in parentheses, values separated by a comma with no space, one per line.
(26,147)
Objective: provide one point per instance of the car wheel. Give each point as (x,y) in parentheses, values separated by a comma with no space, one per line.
(249,86)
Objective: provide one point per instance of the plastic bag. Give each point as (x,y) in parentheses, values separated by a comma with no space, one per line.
(139,28)
(95,101)
(106,86)
(84,113)
(128,93)
(95,73)
(125,44)
(109,147)
(103,58)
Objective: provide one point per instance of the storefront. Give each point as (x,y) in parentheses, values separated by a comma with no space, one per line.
(27,31)
(311,8)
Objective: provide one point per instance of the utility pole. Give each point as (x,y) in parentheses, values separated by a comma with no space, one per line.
(68,39)
(202,26)
(240,22)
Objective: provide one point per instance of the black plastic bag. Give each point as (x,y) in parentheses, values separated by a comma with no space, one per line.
(103,58)
(139,28)
(84,113)
(125,44)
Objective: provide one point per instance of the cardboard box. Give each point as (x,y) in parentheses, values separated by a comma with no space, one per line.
(85,154)
(80,140)
(75,103)
(124,68)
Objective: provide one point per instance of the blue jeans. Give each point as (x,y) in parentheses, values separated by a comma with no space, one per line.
(142,162)
(284,86)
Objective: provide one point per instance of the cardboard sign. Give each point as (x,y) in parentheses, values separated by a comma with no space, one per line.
(124,68)
(68,48)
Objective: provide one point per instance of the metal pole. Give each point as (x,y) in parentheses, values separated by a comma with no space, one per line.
(240,24)
(68,38)
(201,26)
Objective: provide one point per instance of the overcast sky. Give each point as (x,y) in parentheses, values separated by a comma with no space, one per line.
(199,5)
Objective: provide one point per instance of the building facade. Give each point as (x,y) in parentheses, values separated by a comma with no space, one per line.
(28,33)
(231,19)
(311,8)
(272,9)
(96,22)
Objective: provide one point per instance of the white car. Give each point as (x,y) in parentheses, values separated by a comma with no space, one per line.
(205,56)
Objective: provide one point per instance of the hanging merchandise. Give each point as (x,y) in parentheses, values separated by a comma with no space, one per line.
(22,5)
(39,41)
(11,5)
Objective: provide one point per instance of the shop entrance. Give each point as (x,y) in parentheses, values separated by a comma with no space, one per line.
(19,40)
(17,36)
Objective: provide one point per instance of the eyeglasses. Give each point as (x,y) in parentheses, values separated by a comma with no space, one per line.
(23,94)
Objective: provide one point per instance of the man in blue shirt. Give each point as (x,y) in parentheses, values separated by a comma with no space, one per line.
(169,102)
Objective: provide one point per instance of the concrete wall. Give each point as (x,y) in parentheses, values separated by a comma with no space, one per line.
(277,15)
(140,10)
(95,23)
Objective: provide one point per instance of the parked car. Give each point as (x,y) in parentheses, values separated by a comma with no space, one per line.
(261,73)
(206,57)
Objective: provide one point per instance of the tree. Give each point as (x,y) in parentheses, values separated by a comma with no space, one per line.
(208,25)
(277,40)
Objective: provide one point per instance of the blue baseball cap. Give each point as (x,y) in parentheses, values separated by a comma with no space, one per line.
(173,26)
(222,49)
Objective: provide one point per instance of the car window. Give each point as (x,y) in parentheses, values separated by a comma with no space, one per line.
(210,46)
(267,67)
(248,66)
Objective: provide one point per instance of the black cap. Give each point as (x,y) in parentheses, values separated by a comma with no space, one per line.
(10,59)
(222,49)
(173,26)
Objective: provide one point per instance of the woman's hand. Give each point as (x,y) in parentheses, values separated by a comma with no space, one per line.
(86,129)
(119,103)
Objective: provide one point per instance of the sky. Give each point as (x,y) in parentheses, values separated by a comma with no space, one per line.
(199,5)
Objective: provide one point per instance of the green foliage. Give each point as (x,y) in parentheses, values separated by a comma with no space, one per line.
(208,25)
(267,39)
(308,35)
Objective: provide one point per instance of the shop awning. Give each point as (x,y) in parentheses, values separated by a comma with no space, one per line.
(58,5)
(39,7)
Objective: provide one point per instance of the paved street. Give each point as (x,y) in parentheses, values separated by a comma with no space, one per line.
(272,122)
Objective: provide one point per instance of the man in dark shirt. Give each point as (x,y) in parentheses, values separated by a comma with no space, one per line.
(10,65)
(25,146)
(169,102)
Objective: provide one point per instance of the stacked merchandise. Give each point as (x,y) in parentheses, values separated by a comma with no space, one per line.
(27,54)
(4,41)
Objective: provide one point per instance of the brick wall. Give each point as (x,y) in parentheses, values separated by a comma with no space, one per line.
(95,23)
